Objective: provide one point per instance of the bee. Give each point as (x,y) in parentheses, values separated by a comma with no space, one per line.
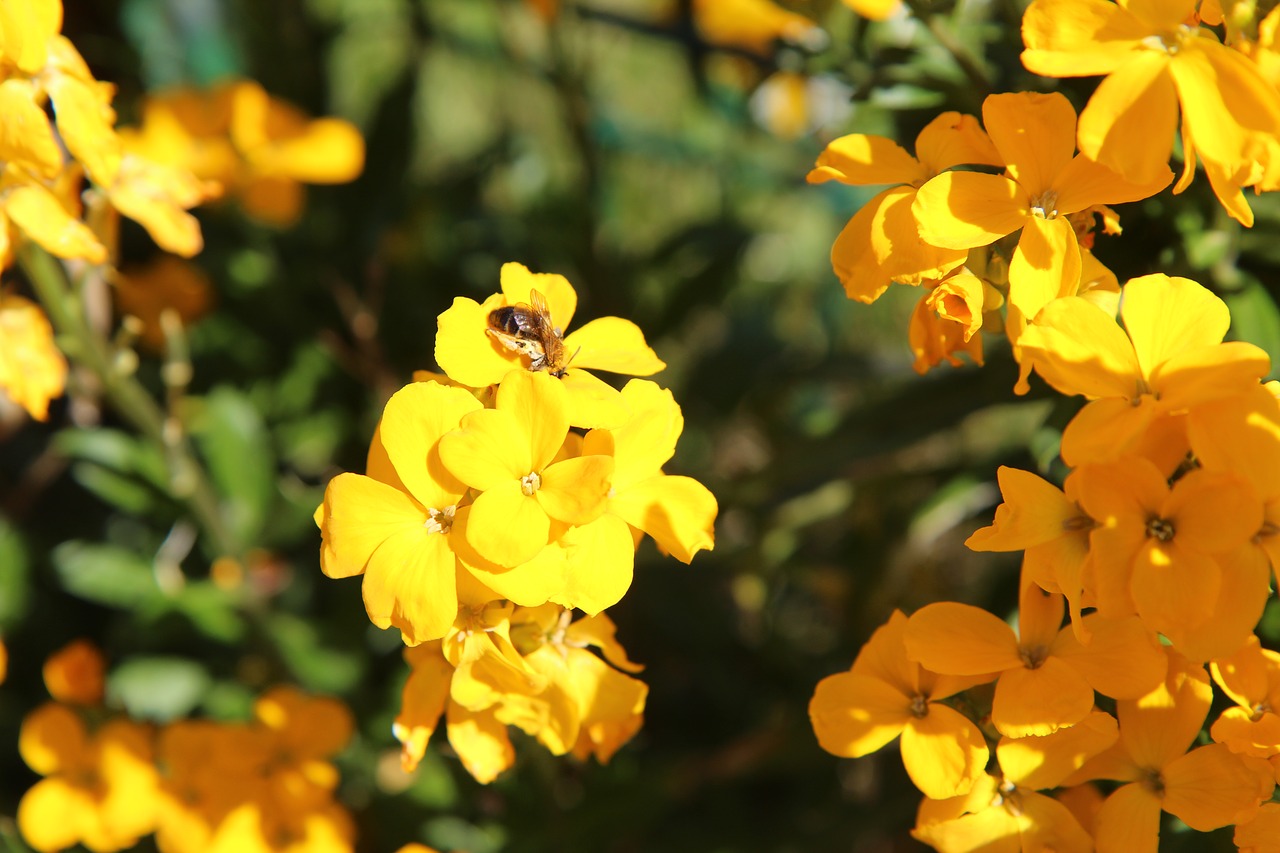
(529,330)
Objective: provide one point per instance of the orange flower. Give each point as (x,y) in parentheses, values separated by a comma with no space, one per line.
(885,696)
(1043,185)
(1045,677)
(32,369)
(74,674)
(882,242)
(1251,677)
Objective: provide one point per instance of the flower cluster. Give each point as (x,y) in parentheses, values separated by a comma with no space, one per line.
(1144,576)
(952,232)
(479,497)
(260,149)
(198,785)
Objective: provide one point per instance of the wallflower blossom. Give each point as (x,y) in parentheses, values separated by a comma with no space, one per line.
(1251,678)
(947,319)
(885,696)
(1007,811)
(471,356)
(167,283)
(753,25)
(100,789)
(1043,184)
(505,454)
(1260,834)
(75,674)
(32,369)
(1155,64)
(1045,678)
(1168,357)
(882,243)
(395,524)
(1206,788)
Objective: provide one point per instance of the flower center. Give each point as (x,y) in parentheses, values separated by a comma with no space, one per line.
(1268,528)
(1033,657)
(441,520)
(530,483)
(919,706)
(1160,529)
(1008,797)
(1078,524)
(1152,781)
(1045,205)
(1173,41)
(1263,707)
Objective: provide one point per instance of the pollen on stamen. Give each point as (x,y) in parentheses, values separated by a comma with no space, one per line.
(1045,205)
(530,483)
(441,520)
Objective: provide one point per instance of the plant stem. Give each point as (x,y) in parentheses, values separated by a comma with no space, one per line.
(188,482)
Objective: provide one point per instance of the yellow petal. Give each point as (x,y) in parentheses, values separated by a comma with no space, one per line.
(1045,266)
(52,813)
(26,138)
(601,558)
(1195,376)
(1163,724)
(1044,762)
(960,639)
(953,139)
(1078,349)
(1084,184)
(1034,133)
(1213,513)
(1225,101)
(859,159)
(1109,428)
(943,752)
(1242,597)
(52,739)
(574,490)
(1174,587)
(612,344)
(1160,14)
(593,403)
(86,123)
(1123,659)
(491,448)
(32,369)
(853,259)
(540,406)
(360,514)
(518,283)
(409,583)
(1034,511)
(325,151)
(647,440)
(157,198)
(961,210)
(507,527)
(1260,833)
(528,584)
(480,741)
(1129,820)
(1167,315)
(46,222)
(678,512)
(412,424)
(1068,38)
(897,245)
(1212,787)
(25,31)
(1038,702)
(1128,124)
(854,715)
(463,348)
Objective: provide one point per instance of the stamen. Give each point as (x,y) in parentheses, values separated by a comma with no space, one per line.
(530,483)
(919,706)
(441,520)
(1033,657)
(1160,529)
(1045,205)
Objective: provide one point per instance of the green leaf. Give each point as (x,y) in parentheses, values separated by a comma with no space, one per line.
(123,471)
(1255,318)
(212,611)
(118,490)
(158,688)
(107,574)
(15,583)
(235,443)
(321,669)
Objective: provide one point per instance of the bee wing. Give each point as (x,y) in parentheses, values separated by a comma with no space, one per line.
(538,303)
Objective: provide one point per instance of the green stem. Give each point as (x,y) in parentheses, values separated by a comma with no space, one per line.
(187,480)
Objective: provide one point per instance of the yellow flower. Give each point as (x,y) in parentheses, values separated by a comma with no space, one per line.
(40,214)
(1044,184)
(1155,63)
(947,319)
(471,355)
(395,525)
(882,243)
(1167,359)
(32,370)
(75,674)
(99,789)
(753,25)
(885,696)
(505,454)
(208,769)
(1045,677)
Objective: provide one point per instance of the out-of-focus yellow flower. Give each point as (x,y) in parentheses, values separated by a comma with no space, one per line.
(468,352)
(75,674)
(4,661)
(261,149)
(100,789)
(32,369)
(167,283)
(754,25)
(207,770)
(875,10)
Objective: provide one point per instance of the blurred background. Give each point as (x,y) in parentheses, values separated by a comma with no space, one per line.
(654,153)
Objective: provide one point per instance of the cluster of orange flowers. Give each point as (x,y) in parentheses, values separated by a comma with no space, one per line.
(483,520)
(198,785)
(1159,548)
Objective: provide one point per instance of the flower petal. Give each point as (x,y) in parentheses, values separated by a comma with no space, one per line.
(412,424)
(464,349)
(944,752)
(1167,315)
(1078,38)
(1045,266)
(518,283)
(962,210)
(1044,762)
(1129,820)
(409,583)
(360,514)
(859,159)
(1078,349)
(601,559)
(480,741)
(1038,702)
(678,512)
(855,715)
(959,639)
(612,344)
(1123,659)
(506,526)
(1212,787)
(1128,124)
(953,139)
(574,490)
(593,403)
(540,406)
(1034,133)
(492,447)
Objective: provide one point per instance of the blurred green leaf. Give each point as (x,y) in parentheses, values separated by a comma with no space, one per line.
(212,611)
(122,470)
(231,435)
(1255,318)
(158,688)
(116,489)
(106,574)
(324,670)
(15,584)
